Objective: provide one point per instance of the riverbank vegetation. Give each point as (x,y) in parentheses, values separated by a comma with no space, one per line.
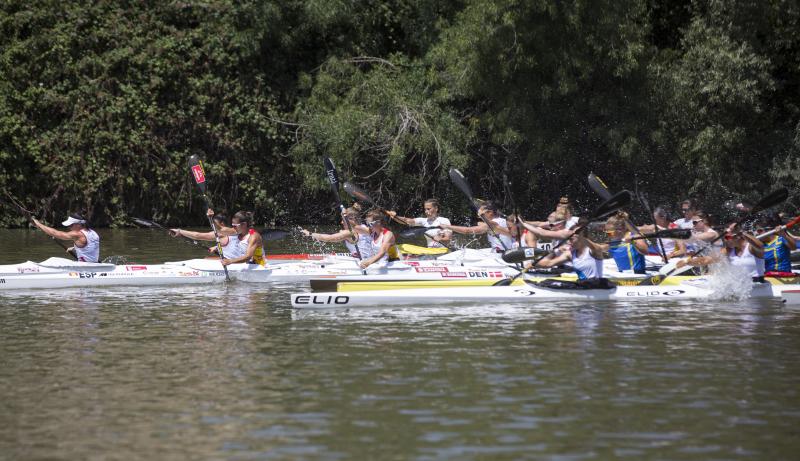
(101,103)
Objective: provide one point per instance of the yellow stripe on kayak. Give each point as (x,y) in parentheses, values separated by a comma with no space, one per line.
(408,249)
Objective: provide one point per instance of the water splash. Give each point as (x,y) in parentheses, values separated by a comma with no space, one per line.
(729,282)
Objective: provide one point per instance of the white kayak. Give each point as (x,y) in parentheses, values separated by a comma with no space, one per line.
(64,273)
(530,293)
(303,272)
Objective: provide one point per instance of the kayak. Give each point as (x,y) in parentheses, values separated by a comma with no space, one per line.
(303,272)
(64,273)
(363,283)
(529,293)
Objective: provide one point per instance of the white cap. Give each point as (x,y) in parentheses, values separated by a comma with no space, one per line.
(70,221)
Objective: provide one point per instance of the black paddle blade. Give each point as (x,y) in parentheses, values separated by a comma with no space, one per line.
(358,194)
(269,235)
(518,255)
(462,185)
(599,187)
(333,178)
(776,197)
(414,232)
(198,173)
(619,200)
(146,223)
(675,234)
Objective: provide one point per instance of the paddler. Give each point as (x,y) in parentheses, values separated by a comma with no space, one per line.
(627,253)
(436,238)
(672,247)
(778,246)
(554,228)
(358,238)
(491,215)
(230,248)
(382,241)
(565,206)
(702,231)
(688,210)
(527,239)
(248,244)
(742,250)
(585,256)
(85,241)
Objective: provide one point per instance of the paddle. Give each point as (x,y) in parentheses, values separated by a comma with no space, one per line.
(266,234)
(675,234)
(600,188)
(415,232)
(199,176)
(788,225)
(270,235)
(611,205)
(333,179)
(29,216)
(154,225)
(518,218)
(462,185)
(646,204)
(770,200)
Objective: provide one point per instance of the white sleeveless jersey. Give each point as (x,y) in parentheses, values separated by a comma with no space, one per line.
(364,243)
(425,222)
(506,240)
(91,252)
(231,249)
(586,266)
(747,261)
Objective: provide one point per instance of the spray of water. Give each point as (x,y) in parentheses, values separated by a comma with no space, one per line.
(728,282)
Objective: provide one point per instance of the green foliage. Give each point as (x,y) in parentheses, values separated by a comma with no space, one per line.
(102,102)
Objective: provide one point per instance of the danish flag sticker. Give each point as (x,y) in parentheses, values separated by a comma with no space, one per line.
(199,175)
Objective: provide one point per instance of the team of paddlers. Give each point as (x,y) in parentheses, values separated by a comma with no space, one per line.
(761,248)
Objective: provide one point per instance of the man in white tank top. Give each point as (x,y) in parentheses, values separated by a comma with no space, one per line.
(85,241)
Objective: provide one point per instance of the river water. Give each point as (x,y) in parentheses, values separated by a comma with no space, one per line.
(232,372)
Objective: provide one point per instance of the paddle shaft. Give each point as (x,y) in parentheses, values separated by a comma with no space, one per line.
(199,175)
(782,228)
(333,179)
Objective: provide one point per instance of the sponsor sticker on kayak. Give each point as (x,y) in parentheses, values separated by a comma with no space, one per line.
(27,270)
(136,268)
(431,269)
(474,275)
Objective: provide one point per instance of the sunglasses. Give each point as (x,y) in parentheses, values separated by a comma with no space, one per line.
(371,223)
(696,222)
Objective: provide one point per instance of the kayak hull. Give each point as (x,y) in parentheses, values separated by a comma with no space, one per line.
(519,294)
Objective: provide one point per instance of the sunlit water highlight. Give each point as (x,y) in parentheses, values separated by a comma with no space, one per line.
(231,372)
